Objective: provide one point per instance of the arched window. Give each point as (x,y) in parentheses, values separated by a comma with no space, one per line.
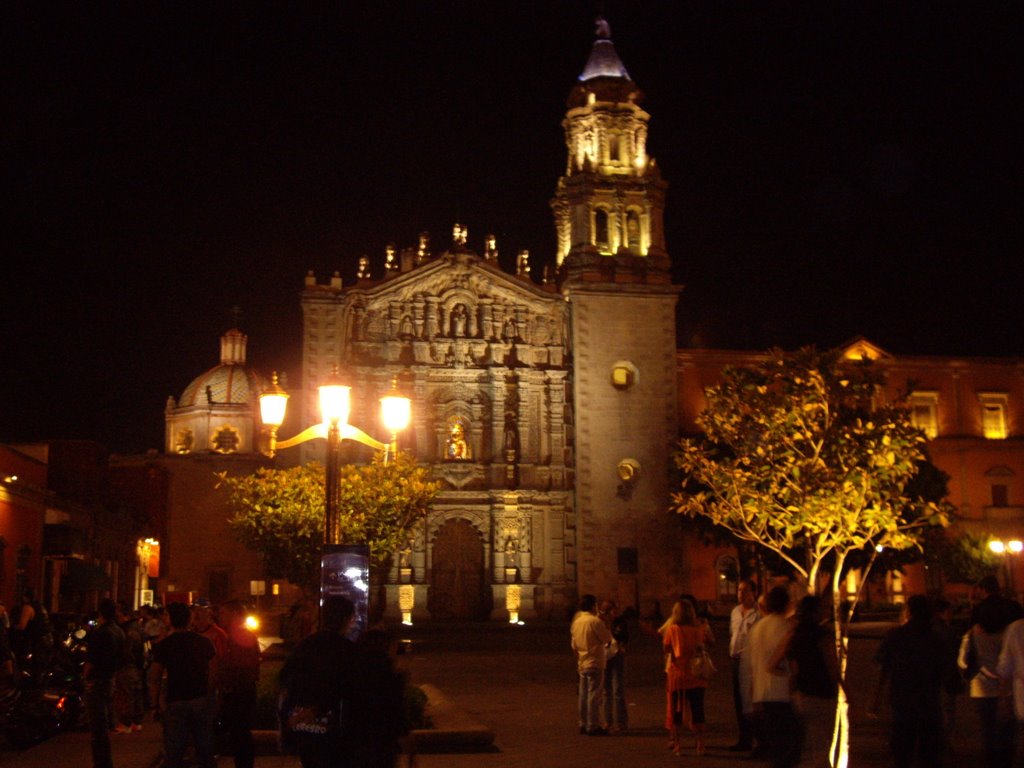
(633,231)
(601,229)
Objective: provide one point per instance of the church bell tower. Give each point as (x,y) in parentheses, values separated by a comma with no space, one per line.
(614,272)
(611,200)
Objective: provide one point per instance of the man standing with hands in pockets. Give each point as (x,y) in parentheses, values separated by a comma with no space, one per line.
(590,637)
(741,620)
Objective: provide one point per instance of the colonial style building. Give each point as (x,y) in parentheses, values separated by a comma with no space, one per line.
(972,411)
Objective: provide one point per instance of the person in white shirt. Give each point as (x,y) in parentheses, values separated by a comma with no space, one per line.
(590,637)
(741,620)
(770,684)
(1011,667)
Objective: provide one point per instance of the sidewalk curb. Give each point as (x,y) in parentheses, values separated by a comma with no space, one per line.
(454,729)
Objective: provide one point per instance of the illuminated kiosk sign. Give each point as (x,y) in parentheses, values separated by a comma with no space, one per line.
(345,570)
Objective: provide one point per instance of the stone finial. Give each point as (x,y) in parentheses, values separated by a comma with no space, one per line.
(523,264)
(423,252)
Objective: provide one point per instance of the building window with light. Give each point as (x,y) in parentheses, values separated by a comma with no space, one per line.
(993,415)
(924,412)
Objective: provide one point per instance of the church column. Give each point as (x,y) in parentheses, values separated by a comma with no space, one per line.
(555,403)
(433,328)
(525,545)
(497,387)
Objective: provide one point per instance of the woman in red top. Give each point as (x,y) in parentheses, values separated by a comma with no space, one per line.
(683,635)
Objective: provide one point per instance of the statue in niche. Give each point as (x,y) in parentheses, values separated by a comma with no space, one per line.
(510,552)
(459,320)
(511,433)
(457,447)
(406,331)
(508,333)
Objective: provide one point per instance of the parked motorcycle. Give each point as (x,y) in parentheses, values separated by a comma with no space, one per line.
(39,705)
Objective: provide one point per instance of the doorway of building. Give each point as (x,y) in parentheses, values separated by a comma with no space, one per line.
(457,573)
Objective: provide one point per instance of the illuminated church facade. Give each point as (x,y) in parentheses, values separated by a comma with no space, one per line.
(563,390)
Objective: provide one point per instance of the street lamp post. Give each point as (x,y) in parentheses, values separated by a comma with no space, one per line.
(335,399)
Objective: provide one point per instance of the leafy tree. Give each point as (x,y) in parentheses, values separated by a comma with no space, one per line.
(796,457)
(963,558)
(280,512)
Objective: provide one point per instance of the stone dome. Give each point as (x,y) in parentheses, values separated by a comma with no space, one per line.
(230,383)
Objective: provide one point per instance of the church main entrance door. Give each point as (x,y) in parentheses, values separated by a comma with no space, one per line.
(457,584)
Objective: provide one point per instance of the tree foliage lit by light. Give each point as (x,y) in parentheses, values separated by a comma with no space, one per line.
(797,456)
(280,513)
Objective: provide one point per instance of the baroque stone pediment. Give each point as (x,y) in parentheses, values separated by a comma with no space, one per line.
(449,274)
(458,299)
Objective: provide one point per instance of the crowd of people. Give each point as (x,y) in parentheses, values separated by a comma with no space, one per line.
(786,683)
(195,670)
(158,663)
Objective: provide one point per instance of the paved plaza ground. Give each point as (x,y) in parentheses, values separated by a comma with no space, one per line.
(519,682)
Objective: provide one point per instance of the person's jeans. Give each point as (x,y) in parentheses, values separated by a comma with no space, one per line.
(742,706)
(996,730)
(128,703)
(182,719)
(590,690)
(615,692)
(237,709)
(817,721)
(916,739)
(782,733)
(99,703)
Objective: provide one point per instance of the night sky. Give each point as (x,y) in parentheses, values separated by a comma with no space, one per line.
(835,169)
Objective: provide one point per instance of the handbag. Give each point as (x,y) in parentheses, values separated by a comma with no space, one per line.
(701,664)
(611,650)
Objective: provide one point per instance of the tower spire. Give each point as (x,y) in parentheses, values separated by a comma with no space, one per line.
(610,201)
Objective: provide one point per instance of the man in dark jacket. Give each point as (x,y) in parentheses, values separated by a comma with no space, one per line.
(911,657)
(321,691)
(105,648)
